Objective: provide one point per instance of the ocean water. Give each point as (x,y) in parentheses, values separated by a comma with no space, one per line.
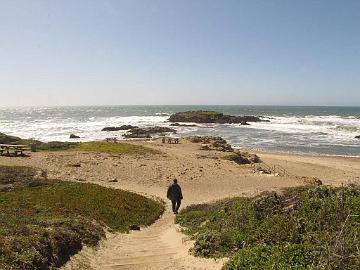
(312,130)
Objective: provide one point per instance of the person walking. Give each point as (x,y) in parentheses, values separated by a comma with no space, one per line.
(174,194)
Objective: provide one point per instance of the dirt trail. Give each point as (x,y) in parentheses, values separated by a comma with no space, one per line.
(159,246)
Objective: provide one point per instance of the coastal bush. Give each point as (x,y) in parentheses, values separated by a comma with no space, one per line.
(41,226)
(299,228)
(99,147)
(56,146)
(7,139)
(115,148)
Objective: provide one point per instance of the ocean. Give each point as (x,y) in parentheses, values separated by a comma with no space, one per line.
(309,130)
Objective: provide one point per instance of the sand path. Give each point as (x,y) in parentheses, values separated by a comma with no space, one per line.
(159,246)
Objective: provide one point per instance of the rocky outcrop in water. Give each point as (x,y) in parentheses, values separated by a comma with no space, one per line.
(213,117)
(148,132)
(182,125)
(73,136)
(357,137)
(123,127)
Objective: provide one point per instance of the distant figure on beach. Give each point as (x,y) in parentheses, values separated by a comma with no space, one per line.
(175,195)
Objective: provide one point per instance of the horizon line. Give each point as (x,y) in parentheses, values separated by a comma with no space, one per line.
(179,105)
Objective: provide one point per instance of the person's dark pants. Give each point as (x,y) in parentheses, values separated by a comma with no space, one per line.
(176,205)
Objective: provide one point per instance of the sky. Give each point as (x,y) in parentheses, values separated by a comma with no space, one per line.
(196,52)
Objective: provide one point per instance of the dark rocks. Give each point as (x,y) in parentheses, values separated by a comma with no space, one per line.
(75,165)
(182,125)
(219,144)
(134,227)
(73,136)
(212,117)
(211,143)
(357,137)
(253,158)
(147,132)
(243,158)
(123,127)
(238,159)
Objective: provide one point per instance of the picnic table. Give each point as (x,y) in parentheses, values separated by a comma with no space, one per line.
(114,139)
(16,149)
(170,140)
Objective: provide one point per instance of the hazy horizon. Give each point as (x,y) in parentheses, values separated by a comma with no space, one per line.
(260,53)
(178,105)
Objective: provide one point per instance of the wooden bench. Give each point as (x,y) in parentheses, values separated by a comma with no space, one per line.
(170,140)
(17,149)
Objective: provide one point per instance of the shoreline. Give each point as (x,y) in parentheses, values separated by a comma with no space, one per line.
(265,151)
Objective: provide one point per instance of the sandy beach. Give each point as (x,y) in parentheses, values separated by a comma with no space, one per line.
(203,175)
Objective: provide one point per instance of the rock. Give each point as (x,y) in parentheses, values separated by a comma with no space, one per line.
(147,132)
(75,165)
(41,175)
(73,136)
(253,158)
(357,137)
(7,139)
(205,147)
(307,180)
(182,125)
(211,143)
(134,227)
(212,117)
(123,127)
(113,180)
(244,123)
(238,159)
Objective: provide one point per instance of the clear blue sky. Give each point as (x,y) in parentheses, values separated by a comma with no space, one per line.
(179,52)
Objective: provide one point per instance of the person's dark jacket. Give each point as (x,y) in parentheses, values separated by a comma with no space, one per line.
(174,192)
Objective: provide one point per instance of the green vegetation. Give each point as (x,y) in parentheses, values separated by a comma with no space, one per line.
(43,222)
(115,148)
(7,139)
(212,114)
(56,146)
(301,228)
(101,147)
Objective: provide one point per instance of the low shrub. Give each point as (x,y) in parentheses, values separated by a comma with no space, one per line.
(41,226)
(299,228)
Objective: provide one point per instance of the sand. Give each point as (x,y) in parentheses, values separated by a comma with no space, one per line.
(203,176)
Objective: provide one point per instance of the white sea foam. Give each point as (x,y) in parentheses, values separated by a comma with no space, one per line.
(335,126)
(330,134)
